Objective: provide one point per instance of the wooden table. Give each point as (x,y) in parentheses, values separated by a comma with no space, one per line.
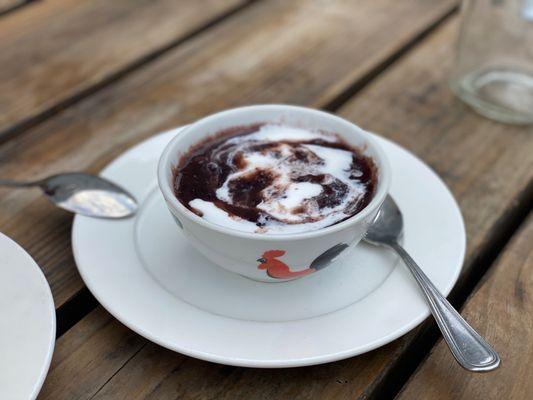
(83,80)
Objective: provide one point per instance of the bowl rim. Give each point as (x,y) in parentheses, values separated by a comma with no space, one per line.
(176,207)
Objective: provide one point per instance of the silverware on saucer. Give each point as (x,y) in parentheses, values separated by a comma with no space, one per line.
(83,194)
(470,350)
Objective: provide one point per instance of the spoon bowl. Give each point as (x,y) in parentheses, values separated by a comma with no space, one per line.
(84,194)
(387,227)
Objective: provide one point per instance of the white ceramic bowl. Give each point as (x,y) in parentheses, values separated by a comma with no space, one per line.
(241,252)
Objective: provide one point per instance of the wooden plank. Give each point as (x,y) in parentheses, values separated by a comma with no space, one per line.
(273,51)
(488,167)
(97,347)
(57,49)
(92,353)
(9,5)
(502,310)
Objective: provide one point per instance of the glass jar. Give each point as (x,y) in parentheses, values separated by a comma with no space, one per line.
(493,71)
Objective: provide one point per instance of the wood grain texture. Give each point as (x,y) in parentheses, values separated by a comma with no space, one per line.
(98,346)
(502,310)
(56,49)
(302,51)
(8,5)
(487,165)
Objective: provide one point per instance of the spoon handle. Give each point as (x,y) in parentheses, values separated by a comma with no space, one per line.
(11,183)
(470,350)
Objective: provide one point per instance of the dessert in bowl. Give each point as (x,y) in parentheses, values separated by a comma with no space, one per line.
(273,192)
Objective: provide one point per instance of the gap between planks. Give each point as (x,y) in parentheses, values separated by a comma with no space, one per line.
(8,6)
(360,84)
(73,310)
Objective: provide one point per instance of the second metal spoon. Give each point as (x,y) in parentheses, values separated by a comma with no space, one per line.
(83,194)
(470,350)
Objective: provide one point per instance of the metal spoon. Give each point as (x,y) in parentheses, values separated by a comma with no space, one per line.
(470,350)
(83,194)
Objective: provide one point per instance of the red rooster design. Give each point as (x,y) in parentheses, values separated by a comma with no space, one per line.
(279,270)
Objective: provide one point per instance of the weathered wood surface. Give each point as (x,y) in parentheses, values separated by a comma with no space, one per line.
(502,310)
(94,350)
(488,166)
(55,50)
(271,51)
(8,5)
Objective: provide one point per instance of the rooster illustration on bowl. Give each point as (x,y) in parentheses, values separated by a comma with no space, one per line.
(276,268)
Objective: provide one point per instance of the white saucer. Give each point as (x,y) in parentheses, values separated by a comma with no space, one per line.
(144,273)
(27,323)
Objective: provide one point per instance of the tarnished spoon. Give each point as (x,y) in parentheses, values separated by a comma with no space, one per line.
(83,194)
(470,350)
